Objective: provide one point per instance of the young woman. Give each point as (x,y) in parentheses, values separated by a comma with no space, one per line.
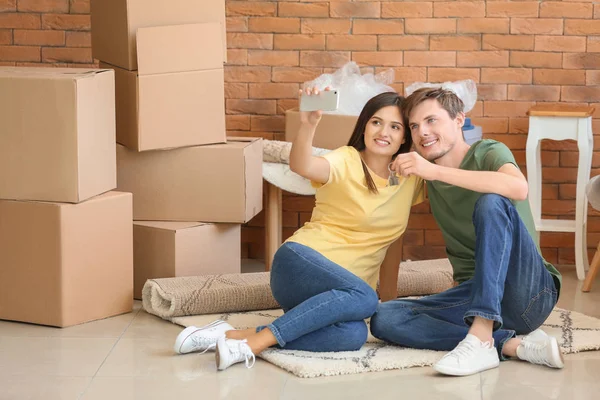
(325,275)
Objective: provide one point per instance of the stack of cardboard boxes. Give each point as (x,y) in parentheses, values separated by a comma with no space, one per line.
(66,248)
(192,187)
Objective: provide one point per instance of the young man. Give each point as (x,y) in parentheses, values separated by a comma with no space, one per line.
(478,197)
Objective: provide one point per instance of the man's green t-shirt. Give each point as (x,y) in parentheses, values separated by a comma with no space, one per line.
(453,206)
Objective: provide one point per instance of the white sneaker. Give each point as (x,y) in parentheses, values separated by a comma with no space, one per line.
(469,357)
(200,339)
(231,351)
(540,348)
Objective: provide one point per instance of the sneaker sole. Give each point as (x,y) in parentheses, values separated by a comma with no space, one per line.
(458,372)
(557,355)
(218,359)
(187,332)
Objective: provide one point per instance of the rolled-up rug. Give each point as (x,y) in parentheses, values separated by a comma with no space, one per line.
(195,295)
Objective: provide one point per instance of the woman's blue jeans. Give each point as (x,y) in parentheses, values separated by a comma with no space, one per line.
(325,305)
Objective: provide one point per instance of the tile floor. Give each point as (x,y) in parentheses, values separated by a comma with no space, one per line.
(130,357)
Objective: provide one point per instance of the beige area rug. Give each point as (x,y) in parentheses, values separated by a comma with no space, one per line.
(575,332)
(175,297)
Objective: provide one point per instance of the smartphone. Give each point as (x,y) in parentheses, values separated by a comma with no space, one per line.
(327,100)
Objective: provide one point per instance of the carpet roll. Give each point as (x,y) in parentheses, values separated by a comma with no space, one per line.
(196,295)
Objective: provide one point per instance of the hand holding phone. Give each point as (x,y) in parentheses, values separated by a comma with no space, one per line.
(313,102)
(327,100)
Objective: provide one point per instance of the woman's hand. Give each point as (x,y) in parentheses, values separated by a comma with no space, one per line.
(302,161)
(311,118)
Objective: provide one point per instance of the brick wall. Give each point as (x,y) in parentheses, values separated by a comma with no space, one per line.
(45,31)
(519,53)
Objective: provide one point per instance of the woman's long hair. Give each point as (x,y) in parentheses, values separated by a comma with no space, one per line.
(357,140)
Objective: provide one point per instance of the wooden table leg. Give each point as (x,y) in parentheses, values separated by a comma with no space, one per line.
(273,216)
(593,271)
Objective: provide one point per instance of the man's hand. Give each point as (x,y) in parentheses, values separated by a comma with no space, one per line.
(412,163)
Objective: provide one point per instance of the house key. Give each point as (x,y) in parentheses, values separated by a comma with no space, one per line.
(393,179)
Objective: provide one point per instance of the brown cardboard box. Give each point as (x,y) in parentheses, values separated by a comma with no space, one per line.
(176,98)
(214,183)
(57,133)
(171,249)
(116,22)
(64,264)
(332,132)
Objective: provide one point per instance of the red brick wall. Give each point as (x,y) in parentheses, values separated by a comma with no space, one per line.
(519,52)
(45,31)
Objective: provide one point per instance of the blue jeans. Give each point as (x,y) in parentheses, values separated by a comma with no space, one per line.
(511,286)
(325,305)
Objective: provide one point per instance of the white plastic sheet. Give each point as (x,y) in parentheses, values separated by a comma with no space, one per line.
(355,88)
(466,90)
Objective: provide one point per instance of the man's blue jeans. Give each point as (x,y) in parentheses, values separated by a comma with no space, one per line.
(325,305)
(511,286)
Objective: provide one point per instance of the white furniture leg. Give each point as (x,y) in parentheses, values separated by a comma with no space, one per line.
(534,178)
(586,149)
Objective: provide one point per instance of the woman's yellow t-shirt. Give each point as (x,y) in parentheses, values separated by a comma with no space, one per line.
(350,225)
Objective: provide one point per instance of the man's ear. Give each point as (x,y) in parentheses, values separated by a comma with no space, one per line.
(460,119)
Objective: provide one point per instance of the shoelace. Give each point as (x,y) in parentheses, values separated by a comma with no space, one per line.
(200,341)
(464,348)
(243,350)
(535,352)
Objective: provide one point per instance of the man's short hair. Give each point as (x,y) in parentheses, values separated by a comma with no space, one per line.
(446,98)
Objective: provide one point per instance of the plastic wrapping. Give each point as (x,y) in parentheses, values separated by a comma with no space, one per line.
(466,90)
(355,89)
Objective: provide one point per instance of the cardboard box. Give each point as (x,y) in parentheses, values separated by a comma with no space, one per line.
(57,133)
(332,132)
(65,264)
(171,249)
(176,98)
(115,24)
(214,183)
